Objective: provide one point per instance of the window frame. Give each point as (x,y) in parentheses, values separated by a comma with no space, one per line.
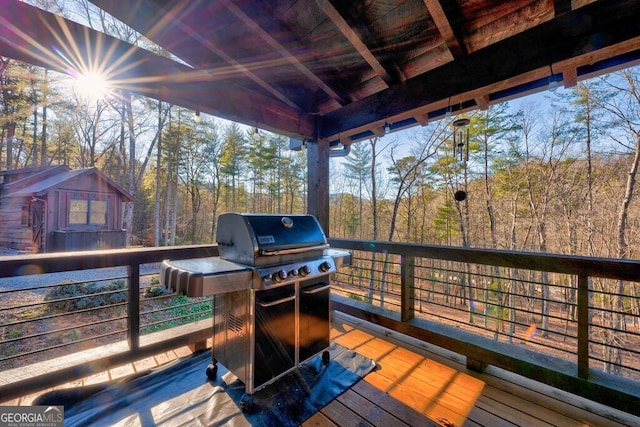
(90,210)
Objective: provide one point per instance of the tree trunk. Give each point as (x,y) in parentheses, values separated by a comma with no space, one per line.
(11,131)
(43,145)
(156,207)
(618,321)
(128,210)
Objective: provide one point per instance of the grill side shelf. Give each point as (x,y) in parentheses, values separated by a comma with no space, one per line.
(340,257)
(205,276)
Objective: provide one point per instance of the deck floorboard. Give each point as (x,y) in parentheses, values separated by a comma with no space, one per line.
(436,383)
(416,384)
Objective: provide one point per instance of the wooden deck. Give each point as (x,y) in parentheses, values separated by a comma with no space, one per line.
(416,384)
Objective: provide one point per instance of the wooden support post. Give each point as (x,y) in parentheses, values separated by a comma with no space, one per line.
(476,365)
(407,292)
(583,326)
(318,182)
(133,306)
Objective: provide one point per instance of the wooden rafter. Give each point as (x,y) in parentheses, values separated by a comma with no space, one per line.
(561,7)
(483,97)
(509,25)
(172,17)
(275,45)
(354,39)
(240,67)
(444,26)
(327,68)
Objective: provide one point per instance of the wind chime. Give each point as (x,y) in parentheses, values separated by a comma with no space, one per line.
(460,150)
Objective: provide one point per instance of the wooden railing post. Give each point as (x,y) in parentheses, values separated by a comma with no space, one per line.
(407,300)
(583,326)
(133,306)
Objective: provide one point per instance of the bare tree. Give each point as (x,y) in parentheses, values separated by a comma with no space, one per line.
(357,167)
(408,171)
(624,109)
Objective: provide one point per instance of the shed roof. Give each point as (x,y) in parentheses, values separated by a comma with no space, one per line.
(333,70)
(42,181)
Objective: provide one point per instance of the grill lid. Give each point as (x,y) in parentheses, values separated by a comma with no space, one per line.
(251,238)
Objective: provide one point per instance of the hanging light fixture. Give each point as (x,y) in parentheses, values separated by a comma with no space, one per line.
(387,128)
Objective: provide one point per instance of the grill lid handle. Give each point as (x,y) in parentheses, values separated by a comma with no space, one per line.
(266,252)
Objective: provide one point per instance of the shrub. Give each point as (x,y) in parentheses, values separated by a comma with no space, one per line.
(180,310)
(155,291)
(357,297)
(80,296)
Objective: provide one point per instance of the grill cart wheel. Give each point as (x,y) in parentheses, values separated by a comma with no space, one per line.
(326,357)
(246,403)
(212,371)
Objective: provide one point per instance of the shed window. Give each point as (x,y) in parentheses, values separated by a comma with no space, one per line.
(98,212)
(25,216)
(92,212)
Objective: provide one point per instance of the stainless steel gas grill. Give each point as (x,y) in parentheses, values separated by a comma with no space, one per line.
(270,287)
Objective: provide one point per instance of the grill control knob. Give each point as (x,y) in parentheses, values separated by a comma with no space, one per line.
(293,272)
(279,276)
(304,271)
(324,267)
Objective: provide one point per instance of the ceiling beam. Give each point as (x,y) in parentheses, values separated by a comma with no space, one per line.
(569,75)
(511,24)
(445,28)
(550,42)
(482,101)
(561,7)
(482,96)
(354,39)
(255,28)
(241,68)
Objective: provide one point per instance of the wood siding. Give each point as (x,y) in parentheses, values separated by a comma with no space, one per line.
(13,233)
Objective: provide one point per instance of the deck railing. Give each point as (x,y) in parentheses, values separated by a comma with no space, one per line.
(571,322)
(64,316)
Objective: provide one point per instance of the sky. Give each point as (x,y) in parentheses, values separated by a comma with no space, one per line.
(402,140)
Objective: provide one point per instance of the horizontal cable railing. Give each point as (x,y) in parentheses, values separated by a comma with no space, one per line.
(545,314)
(60,305)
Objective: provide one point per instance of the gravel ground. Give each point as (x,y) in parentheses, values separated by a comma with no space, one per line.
(39,280)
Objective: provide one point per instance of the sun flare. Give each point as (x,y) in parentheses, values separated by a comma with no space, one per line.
(91,86)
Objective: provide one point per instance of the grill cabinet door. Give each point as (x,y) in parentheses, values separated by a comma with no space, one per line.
(315,328)
(275,333)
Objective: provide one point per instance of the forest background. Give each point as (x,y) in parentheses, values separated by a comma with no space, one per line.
(556,175)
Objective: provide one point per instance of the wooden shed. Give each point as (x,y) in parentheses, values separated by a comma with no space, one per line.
(47,209)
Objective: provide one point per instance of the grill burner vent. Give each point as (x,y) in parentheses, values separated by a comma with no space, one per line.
(235,324)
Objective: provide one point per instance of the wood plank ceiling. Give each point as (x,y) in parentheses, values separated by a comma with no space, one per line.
(338,71)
